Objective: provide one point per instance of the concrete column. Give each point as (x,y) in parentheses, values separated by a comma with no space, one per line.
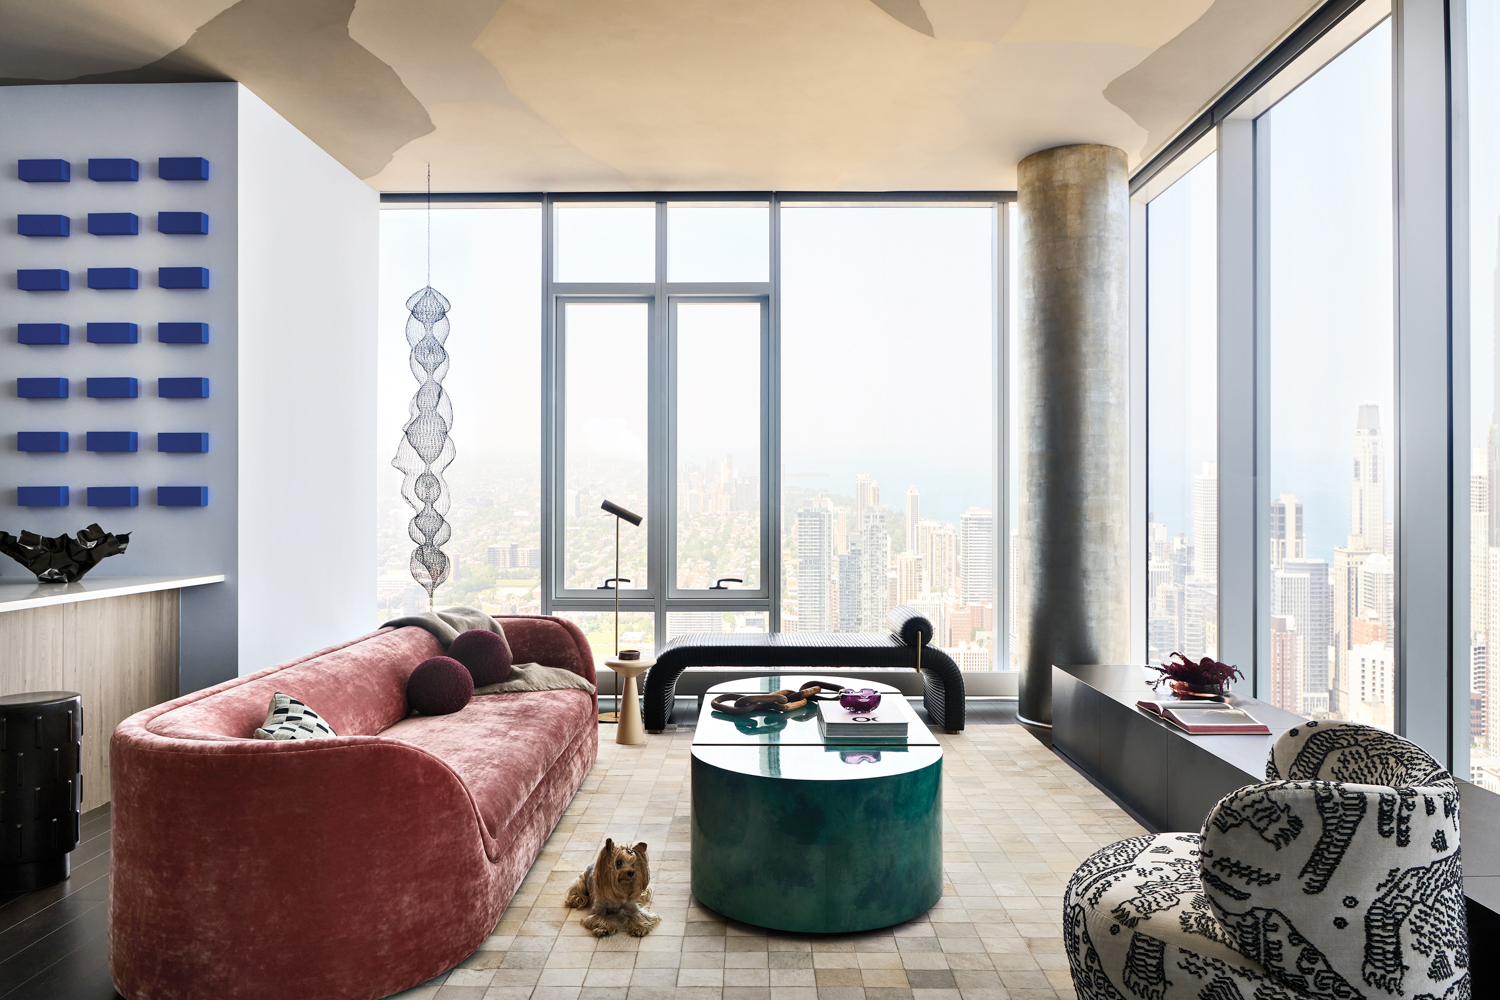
(1074,569)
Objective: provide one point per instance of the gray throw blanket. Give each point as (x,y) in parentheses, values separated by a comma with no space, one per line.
(536,677)
(445,625)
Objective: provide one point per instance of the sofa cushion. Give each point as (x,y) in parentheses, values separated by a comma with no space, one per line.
(501,745)
(439,686)
(289,719)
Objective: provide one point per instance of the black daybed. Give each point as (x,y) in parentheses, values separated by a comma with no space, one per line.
(908,638)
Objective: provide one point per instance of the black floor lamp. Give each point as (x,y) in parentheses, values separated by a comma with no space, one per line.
(613,583)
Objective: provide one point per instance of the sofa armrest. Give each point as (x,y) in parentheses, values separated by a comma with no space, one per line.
(1341,889)
(313,848)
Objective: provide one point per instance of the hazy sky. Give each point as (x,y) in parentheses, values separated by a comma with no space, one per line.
(1484,209)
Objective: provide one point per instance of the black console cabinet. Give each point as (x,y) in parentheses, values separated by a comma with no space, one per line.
(41,743)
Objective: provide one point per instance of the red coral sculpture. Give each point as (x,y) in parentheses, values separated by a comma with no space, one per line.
(1187,675)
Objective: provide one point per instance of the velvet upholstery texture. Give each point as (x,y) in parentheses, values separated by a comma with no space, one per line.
(400,841)
(439,686)
(484,654)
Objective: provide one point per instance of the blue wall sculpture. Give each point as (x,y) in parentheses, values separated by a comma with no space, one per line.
(183,443)
(42,225)
(114,496)
(44,171)
(182,168)
(42,388)
(44,441)
(112,441)
(114,224)
(114,277)
(114,333)
(182,496)
(182,333)
(114,169)
(182,277)
(42,279)
(182,223)
(182,388)
(42,333)
(113,388)
(41,496)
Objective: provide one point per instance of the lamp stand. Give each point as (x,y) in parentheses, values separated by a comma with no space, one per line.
(614,716)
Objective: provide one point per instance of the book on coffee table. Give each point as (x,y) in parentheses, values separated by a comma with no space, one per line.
(1206,719)
(837,724)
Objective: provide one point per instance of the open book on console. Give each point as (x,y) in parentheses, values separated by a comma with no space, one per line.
(1206,718)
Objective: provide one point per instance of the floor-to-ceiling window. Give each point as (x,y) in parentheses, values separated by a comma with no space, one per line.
(487,263)
(1477,709)
(1325,157)
(1182,427)
(888,421)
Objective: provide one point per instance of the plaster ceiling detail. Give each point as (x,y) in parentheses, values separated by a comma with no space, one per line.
(525,95)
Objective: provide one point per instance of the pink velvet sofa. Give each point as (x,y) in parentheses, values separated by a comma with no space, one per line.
(347,868)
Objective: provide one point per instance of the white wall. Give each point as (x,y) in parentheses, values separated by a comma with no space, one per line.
(309,268)
(293,254)
(144,123)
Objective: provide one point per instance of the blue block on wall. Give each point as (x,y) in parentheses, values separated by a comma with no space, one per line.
(182,277)
(42,388)
(182,496)
(194,443)
(114,169)
(41,496)
(114,277)
(114,224)
(42,441)
(113,388)
(114,333)
(44,172)
(182,168)
(41,333)
(182,333)
(112,441)
(42,225)
(42,279)
(114,496)
(182,223)
(182,388)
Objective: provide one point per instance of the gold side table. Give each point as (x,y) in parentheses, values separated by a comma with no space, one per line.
(631,731)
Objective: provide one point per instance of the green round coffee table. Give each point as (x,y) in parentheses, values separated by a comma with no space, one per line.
(793,834)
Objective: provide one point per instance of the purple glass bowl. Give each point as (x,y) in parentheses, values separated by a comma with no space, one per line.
(860,756)
(863,700)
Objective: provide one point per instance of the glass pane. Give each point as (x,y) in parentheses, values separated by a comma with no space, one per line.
(683,622)
(886,383)
(718,444)
(1480,703)
(637,631)
(1182,404)
(605,442)
(606,242)
(1331,390)
(718,242)
(1013,474)
(487,263)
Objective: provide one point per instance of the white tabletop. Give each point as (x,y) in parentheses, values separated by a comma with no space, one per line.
(18,594)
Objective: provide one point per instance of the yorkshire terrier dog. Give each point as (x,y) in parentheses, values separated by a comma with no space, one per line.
(618,888)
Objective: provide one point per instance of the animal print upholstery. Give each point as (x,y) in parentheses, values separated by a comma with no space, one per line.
(1339,879)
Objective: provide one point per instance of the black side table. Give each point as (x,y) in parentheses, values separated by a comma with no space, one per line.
(41,786)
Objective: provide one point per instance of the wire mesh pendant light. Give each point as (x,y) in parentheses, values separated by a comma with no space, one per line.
(426,450)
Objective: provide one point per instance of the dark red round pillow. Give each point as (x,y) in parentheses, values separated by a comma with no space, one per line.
(484,653)
(439,686)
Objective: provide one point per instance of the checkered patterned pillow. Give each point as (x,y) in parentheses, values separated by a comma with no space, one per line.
(292,720)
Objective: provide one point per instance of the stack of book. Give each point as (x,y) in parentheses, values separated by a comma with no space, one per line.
(883,724)
(1206,718)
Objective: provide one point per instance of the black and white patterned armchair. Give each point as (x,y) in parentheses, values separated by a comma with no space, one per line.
(1338,877)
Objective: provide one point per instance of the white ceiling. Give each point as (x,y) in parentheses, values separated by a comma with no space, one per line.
(559,95)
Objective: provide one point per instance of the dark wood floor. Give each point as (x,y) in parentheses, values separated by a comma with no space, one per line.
(52,944)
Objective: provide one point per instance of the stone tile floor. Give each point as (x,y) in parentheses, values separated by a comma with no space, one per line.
(1017,820)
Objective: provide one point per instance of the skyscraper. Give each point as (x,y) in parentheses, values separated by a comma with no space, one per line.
(1287,540)
(1301,589)
(1206,525)
(1284,662)
(1367,498)
(976,555)
(937,544)
(913,518)
(911,578)
(866,496)
(814,565)
(875,592)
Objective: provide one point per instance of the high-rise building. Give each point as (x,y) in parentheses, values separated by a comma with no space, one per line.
(1206,525)
(1284,662)
(866,496)
(1346,564)
(1377,595)
(1301,589)
(937,544)
(913,516)
(1287,540)
(814,565)
(976,555)
(851,586)
(841,529)
(911,577)
(876,591)
(934,607)
(1367,499)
